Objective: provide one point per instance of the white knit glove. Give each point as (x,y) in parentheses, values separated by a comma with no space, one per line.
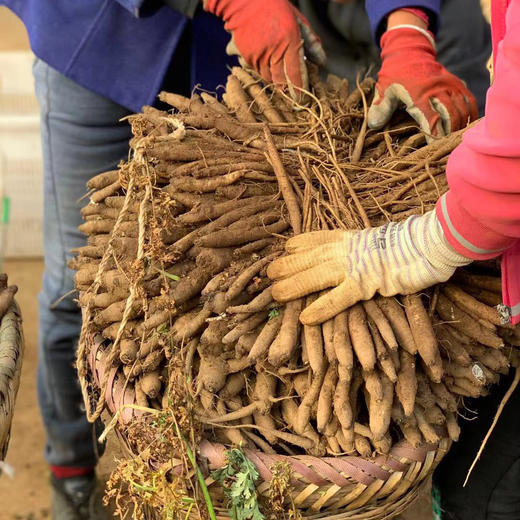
(397,258)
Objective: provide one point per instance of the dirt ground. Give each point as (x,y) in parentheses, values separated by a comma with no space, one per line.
(26,496)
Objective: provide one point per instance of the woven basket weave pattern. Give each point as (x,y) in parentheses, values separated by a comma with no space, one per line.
(11,357)
(345,487)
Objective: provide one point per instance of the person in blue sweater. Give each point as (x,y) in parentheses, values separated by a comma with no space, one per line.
(97,61)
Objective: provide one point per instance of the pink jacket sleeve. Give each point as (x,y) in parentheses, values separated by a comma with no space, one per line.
(480,214)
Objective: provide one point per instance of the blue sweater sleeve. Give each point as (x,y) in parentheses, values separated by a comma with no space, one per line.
(378,10)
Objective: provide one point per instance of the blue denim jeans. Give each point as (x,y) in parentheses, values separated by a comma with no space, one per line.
(81,136)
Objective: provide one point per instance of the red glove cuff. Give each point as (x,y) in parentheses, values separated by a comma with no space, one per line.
(402,38)
(417,12)
(223,8)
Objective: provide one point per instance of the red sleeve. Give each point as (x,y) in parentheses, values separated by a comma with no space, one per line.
(480,214)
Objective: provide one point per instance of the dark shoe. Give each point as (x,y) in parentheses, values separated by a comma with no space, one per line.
(77,498)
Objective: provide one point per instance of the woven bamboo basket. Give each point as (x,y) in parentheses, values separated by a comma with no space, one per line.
(11,358)
(338,488)
(343,487)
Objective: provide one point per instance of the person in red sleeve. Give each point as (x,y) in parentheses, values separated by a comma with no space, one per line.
(479,218)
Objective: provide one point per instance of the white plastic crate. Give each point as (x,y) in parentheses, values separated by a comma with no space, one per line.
(20,157)
(17,84)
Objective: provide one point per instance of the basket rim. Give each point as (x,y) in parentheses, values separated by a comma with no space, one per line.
(371,469)
(375,497)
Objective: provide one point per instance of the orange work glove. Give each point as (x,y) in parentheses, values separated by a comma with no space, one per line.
(270,36)
(411,75)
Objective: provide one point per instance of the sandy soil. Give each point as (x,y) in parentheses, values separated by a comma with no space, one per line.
(26,496)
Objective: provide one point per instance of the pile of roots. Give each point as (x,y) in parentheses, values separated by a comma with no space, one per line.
(173,283)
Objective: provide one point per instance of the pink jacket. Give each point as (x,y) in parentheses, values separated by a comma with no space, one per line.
(480,214)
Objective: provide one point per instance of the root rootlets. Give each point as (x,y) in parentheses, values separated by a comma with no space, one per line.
(179,240)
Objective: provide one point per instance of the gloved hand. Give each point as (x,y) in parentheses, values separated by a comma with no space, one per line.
(397,258)
(270,36)
(411,75)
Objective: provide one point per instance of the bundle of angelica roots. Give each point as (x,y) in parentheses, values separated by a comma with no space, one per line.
(173,281)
